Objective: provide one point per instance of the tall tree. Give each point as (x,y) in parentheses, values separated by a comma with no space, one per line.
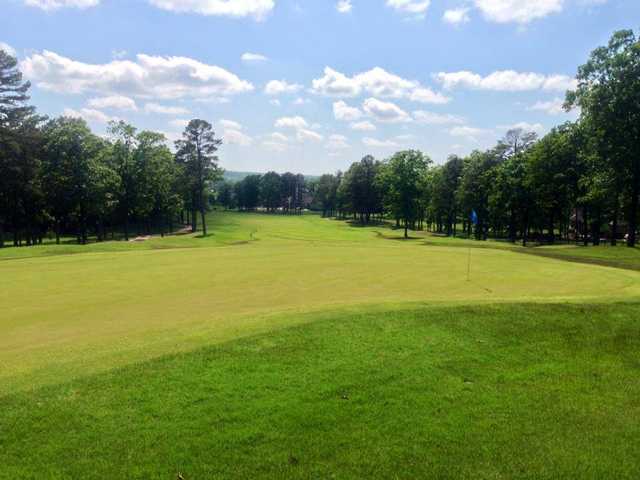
(197,153)
(403,177)
(608,94)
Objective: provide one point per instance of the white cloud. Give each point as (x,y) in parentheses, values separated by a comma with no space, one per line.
(49,5)
(291,122)
(278,87)
(8,49)
(505,80)
(304,134)
(257,9)
(344,6)
(517,11)
(470,133)
(431,118)
(456,16)
(253,57)
(300,101)
(116,102)
(229,124)
(118,54)
(336,84)
(552,107)
(525,126)
(278,137)
(165,110)
(275,102)
(337,142)
(345,113)
(179,123)
(148,76)
(89,114)
(365,126)
(385,111)
(426,95)
(236,137)
(417,8)
(377,82)
(375,143)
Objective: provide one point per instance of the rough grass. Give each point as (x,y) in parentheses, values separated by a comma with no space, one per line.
(496,391)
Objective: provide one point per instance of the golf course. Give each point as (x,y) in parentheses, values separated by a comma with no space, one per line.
(305,347)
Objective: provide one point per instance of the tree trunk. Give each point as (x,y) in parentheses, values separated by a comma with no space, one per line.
(194,221)
(204,223)
(633,213)
(406,229)
(585,227)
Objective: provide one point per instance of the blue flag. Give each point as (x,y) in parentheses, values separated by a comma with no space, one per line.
(474,217)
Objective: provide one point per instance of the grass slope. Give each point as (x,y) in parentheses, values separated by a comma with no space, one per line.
(503,391)
(68,315)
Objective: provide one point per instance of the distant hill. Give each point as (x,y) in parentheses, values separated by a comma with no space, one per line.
(231,176)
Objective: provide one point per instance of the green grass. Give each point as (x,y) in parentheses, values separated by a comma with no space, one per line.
(511,391)
(229,357)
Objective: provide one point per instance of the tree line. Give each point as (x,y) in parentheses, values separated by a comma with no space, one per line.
(58,177)
(580,182)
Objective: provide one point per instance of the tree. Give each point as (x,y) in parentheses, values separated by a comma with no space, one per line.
(20,193)
(271,191)
(69,149)
(196,152)
(403,177)
(608,94)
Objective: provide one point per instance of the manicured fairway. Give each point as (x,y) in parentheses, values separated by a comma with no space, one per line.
(306,348)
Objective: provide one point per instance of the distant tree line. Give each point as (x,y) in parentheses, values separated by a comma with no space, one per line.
(58,177)
(580,182)
(272,192)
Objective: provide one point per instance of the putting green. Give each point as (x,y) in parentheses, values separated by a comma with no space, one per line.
(69,315)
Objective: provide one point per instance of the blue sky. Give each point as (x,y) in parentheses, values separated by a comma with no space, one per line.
(312,86)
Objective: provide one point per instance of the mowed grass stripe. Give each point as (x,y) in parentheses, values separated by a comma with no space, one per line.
(496,391)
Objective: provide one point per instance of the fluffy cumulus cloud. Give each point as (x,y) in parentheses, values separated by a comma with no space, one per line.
(164,109)
(377,82)
(49,5)
(301,128)
(89,114)
(278,87)
(258,9)
(415,8)
(426,95)
(505,80)
(386,112)
(253,58)
(114,102)
(346,113)
(337,142)
(148,76)
(431,118)
(236,137)
(552,107)
(344,6)
(517,11)
(456,16)
(291,122)
(233,134)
